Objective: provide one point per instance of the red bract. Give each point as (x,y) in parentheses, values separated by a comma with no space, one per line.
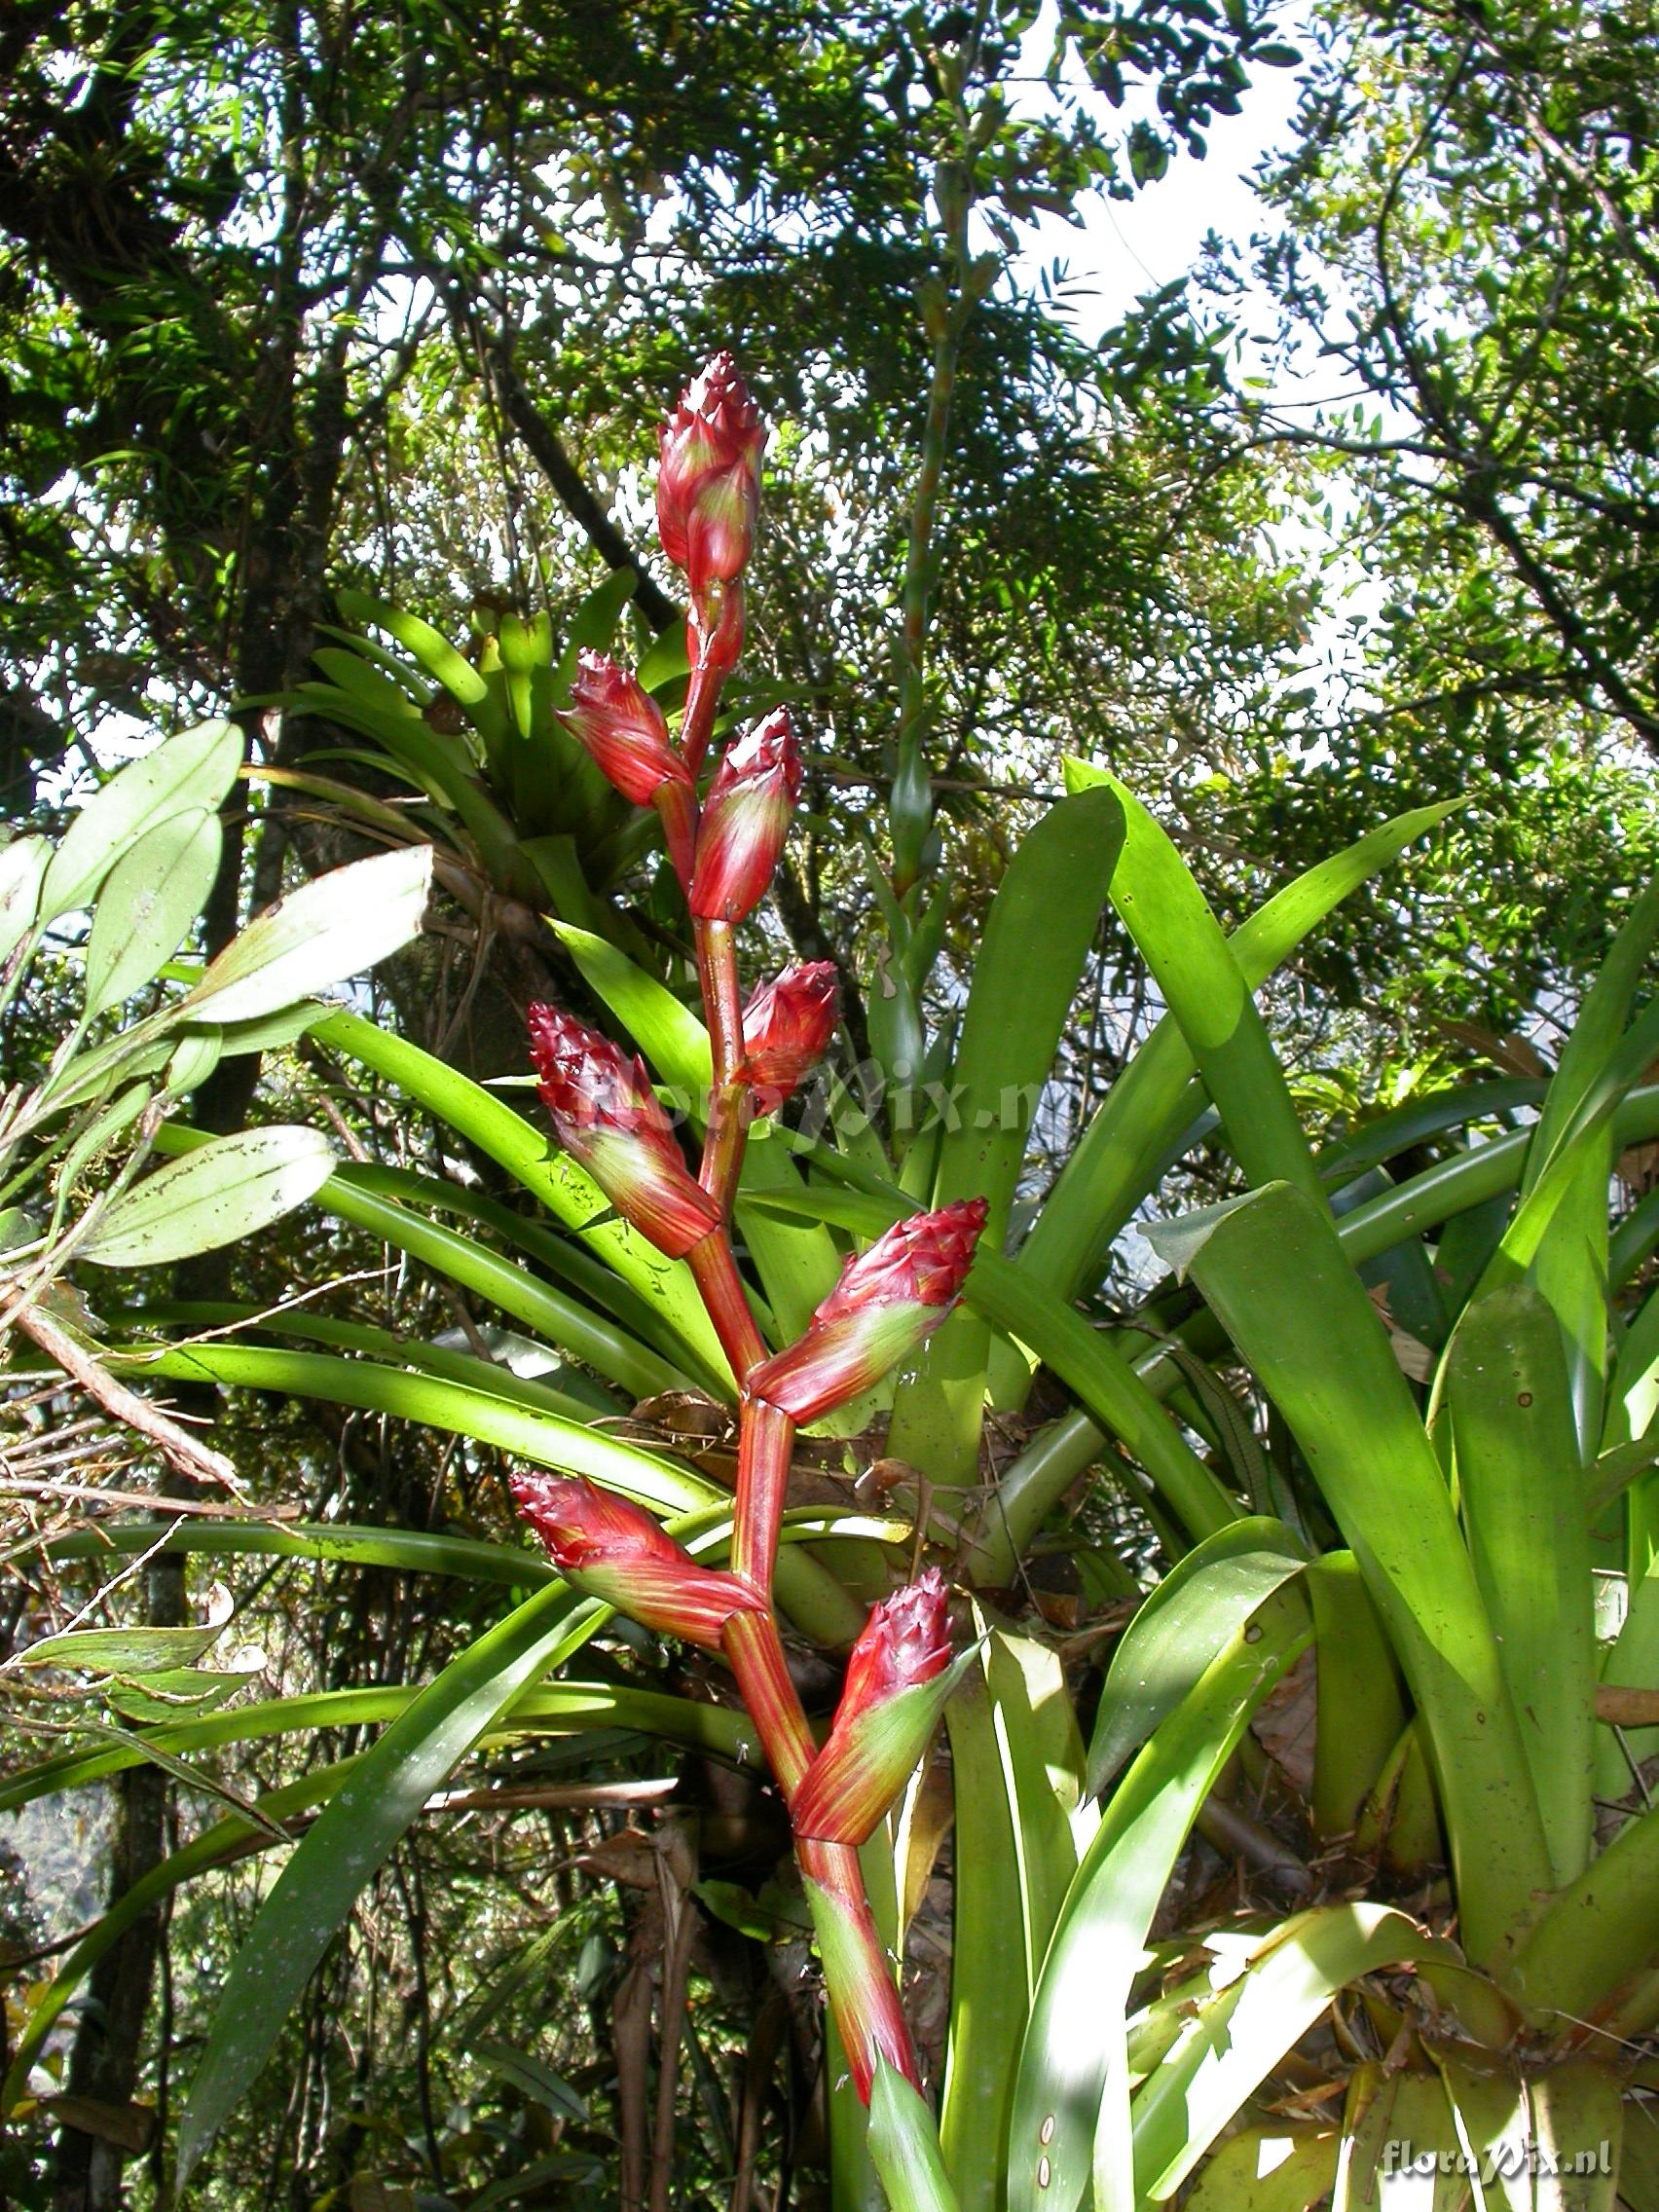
(745,818)
(886,1303)
(612,1550)
(708,489)
(787,1028)
(607,1118)
(895,1691)
(622,726)
(906,1640)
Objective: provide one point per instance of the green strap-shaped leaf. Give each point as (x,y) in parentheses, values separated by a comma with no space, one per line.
(463,683)
(1421,1119)
(1470,1179)
(1116,1159)
(904,2142)
(1521,1495)
(581,1401)
(527,1154)
(1042,1762)
(462,1410)
(1596,1034)
(1072,2090)
(560,1255)
(812,1597)
(989,1974)
(412,1551)
(565,1321)
(1386,2111)
(356,674)
(1599,1940)
(1016,1770)
(1038,934)
(354,1836)
(1277,1279)
(1495,2130)
(1362,1710)
(1235,2038)
(1577,2113)
(1207,992)
(1191,1614)
(441,767)
(1276,2168)
(1570,1264)
(1107,1385)
(551,1708)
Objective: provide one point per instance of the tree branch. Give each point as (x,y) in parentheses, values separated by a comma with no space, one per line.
(576,496)
(183,1452)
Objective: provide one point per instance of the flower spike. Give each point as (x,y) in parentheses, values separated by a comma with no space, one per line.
(612,1550)
(608,1119)
(787,1028)
(745,818)
(708,490)
(886,1303)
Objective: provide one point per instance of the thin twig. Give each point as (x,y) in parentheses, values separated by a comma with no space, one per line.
(197,1461)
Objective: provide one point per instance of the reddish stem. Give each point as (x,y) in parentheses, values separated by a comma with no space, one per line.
(728,1101)
(677,808)
(727,1302)
(697,723)
(717,974)
(865,2000)
(763,1454)
(751,1644)
(866,2004)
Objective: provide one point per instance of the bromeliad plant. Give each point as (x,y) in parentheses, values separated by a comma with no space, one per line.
(885,1305)
(1463,1384)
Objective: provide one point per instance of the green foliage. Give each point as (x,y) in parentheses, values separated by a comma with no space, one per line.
(97,1108)
(1197,1662)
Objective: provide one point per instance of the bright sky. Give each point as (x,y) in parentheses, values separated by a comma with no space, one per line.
(1129,248)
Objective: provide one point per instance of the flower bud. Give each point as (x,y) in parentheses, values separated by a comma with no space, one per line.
(745,818)
(888,1301)
(608,1119)
(611,1549)
(895,1691)
(622,726)
(787,1028)
(708,477)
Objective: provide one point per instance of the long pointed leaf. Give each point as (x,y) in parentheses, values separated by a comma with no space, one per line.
(1275,1273)
(361,1827)
(1521,1495)
(1073,2083)
(1110,1171)
(552,1178)
(1041,925)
